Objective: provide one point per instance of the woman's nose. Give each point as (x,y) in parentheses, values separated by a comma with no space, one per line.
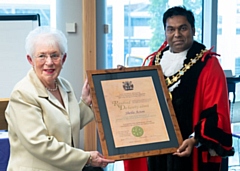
(48,60)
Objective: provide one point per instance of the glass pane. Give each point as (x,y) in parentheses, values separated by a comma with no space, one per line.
(228,47)
(45,8)
(137,29)
(228,38)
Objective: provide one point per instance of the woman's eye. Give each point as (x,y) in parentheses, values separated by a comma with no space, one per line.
(54,56)
(42,56)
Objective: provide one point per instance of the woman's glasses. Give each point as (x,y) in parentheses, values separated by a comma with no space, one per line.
(54,57)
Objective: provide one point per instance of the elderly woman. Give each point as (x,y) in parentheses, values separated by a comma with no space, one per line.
(43,114)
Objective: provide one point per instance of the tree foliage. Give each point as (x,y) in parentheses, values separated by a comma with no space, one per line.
(157,9)
(196,7)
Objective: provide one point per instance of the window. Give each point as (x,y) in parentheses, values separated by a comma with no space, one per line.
(219,31)
(229,39)
(219,19)
(45,8)
(237,30)
(237,66)
(141,27)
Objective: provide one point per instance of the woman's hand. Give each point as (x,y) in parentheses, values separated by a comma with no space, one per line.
(97,160)
(185,149)
(86,97)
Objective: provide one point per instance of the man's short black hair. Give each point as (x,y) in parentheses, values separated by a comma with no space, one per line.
(179,10)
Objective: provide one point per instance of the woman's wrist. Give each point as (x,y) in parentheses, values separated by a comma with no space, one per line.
(84,101)
(89,162)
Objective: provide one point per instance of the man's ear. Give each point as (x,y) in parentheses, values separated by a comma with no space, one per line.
(193,31)
(30,59)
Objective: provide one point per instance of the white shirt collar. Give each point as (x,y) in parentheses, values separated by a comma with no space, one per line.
(172,62)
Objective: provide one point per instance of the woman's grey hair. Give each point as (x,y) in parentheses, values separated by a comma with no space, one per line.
(56,37)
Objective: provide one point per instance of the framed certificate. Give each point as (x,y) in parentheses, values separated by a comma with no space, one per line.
(133,112)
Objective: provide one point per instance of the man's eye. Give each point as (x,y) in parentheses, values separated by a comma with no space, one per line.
(183,28)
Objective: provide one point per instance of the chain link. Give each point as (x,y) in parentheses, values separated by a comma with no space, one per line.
(170,81)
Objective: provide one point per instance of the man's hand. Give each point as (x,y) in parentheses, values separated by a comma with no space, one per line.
(185,149)
(120,67)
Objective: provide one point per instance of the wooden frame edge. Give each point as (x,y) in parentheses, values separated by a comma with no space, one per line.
(89,62)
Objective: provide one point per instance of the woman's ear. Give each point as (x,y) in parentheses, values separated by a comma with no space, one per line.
(30,60)
(64,58)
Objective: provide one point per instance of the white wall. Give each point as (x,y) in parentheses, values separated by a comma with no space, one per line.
(69,11)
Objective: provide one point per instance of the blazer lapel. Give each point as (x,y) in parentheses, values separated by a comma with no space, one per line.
(42,92)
